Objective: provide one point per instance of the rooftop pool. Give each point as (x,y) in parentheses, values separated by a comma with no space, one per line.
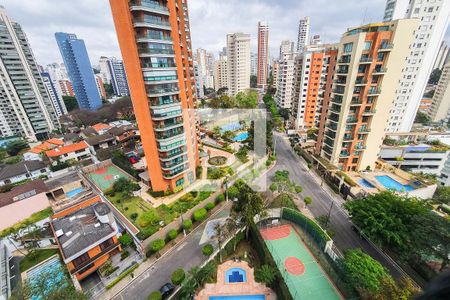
(53,271)
(392,184)
(238,297)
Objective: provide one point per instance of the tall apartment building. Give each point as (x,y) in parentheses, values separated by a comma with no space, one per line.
(66,88)
(205,62)
(263,54)
(313,76)
(118,77)
(434,17)
(103,64)
(54,94)
(238,62)
(443,56)
(285,89)
(303,34)
(254,64)
(286,47)
(315,40)
(275,72)
(100,87)
(199,80)
(25,106)
(440,103)
(57,71)
(76,60)
(370,63)
(156,48)
(220,72)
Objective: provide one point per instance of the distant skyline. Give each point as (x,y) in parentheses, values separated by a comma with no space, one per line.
(210,20)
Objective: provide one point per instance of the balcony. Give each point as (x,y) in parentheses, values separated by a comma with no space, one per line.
(173,173)
(167,135)
(342,71)
(143,52)
(164,91)
(369,112)
(87,263)
(162,115)
(348,137)
(330,134)
(355,101)
(385,47)
(169,155)
(344,60)
(159,102)
(154,38)
(361,82)
(344,154)
(164,126)
(159,65)
(352,120)
(339,91)
(150,6)
(374,91)
(379,71)
(340,81)
(335,109)
(160,79)
(332,126)
(364,130)
(365,60)
(168,165)
(152,23)
(360,147)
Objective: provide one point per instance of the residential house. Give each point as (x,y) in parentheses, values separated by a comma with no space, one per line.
(101,128)
(21,202)
(74,152)
(35,153)
(28,169)
(102,141)
(87,236)
(126,136)
(88,132)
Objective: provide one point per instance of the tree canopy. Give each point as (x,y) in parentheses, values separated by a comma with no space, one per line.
(435,76)
(13,148)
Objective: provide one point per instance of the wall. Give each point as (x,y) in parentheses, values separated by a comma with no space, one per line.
(17,211)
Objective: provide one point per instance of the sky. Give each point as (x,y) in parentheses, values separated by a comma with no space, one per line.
(211,20)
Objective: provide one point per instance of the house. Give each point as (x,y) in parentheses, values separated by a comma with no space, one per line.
(28,169)
(35,153)
(70,138)
(74,152)
(101,128)
(102,141)
(119,123)
(126,136)
(87,236)
(88,132)
(21,202)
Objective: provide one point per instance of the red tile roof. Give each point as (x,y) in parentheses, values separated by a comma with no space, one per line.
(66,149)
(47,145)
(100,126)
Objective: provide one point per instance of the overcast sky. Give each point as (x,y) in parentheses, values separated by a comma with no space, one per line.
(210,20)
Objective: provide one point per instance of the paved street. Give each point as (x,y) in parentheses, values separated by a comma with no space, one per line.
(345,237)
(185,255)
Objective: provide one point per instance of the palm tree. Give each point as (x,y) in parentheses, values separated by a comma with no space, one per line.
(221,233)
(266,274)
(233,225)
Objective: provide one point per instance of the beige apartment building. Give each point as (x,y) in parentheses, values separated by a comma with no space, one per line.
(238,62)
(440,104)
(369,67)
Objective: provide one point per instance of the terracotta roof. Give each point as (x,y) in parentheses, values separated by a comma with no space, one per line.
(100,126)
(25,191)
(55,142)
(47,145)
(66,149)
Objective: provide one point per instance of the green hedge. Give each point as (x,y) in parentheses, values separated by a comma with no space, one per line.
(187,224)
(311,227)
(209,206)
(172,234)
(200,214)
(122,276)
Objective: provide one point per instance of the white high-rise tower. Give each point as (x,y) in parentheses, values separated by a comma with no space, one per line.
(303,34)
(238,62)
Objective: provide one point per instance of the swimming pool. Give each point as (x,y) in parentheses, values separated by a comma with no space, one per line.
(241,136)
(53,271)
(392,184)
(231,127)
(74,192)
(366,184)
(238,297)
(235,275)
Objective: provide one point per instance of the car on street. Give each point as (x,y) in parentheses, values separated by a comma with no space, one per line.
(166,290)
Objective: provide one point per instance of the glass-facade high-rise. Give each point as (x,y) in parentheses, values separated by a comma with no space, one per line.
(81,75)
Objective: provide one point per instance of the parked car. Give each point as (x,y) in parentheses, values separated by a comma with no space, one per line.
(166,290)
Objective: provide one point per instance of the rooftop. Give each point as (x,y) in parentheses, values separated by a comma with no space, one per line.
(100,126)
(66,149)
(82,229)
(62,180)
(98,139)
(9,171)
(22,192)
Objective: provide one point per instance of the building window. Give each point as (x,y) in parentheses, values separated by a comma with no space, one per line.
(81,259)
(367,45)
(348,47)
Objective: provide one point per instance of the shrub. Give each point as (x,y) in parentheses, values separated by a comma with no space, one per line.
(172,234)
(157,245)
(207,250)
(273,187)
(233,192)
(298,189)
(209,206)
(124,254)
(220,198)
(178,276)
(125,240)
(200,214)
(134,216)
(150,217)
(156,295)
(187,224)
(156,194)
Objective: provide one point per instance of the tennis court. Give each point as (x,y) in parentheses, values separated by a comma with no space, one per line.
(302,274)
(105,177)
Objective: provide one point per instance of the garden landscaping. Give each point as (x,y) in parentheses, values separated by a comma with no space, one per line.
(217,160)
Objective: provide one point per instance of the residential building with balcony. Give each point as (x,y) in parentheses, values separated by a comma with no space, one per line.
(220,73)
(155,42)
(433,20)
(439,109)
(285,88)
(263,55)
(118,77)
(25,106)
(76,152)
(286,47)
(87,236)
(100,87)
(54,93)
(66,87)
(238,62)
(370,60)
(303,34)
(76,60)
(205,61)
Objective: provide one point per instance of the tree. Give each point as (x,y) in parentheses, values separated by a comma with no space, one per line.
(389,289)
(222,91)
(13,148)
(307,200)
(266,274)
(108,90)
(224,101)
(155,295)
(247,99)
(442,195)
(435,76)
(362,271)
(312,132)
(125,240)
(422,118)
(221,233)
(284,113)
(253,81)
(228,135)
(178,276)
(70,102)
(207,250)
(253,205)
(386,218)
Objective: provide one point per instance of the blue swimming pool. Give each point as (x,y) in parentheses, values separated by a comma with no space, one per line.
(53,271)
(241,136)
(366,184)
(238,297)
(231,127)
(74,192)
(392,184)
(235,275)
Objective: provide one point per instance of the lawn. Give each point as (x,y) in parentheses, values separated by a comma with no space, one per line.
(38,216)
(146,218)
(216,173)
(40,255)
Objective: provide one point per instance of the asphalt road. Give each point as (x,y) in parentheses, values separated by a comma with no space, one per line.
(185,255)
(345,237)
